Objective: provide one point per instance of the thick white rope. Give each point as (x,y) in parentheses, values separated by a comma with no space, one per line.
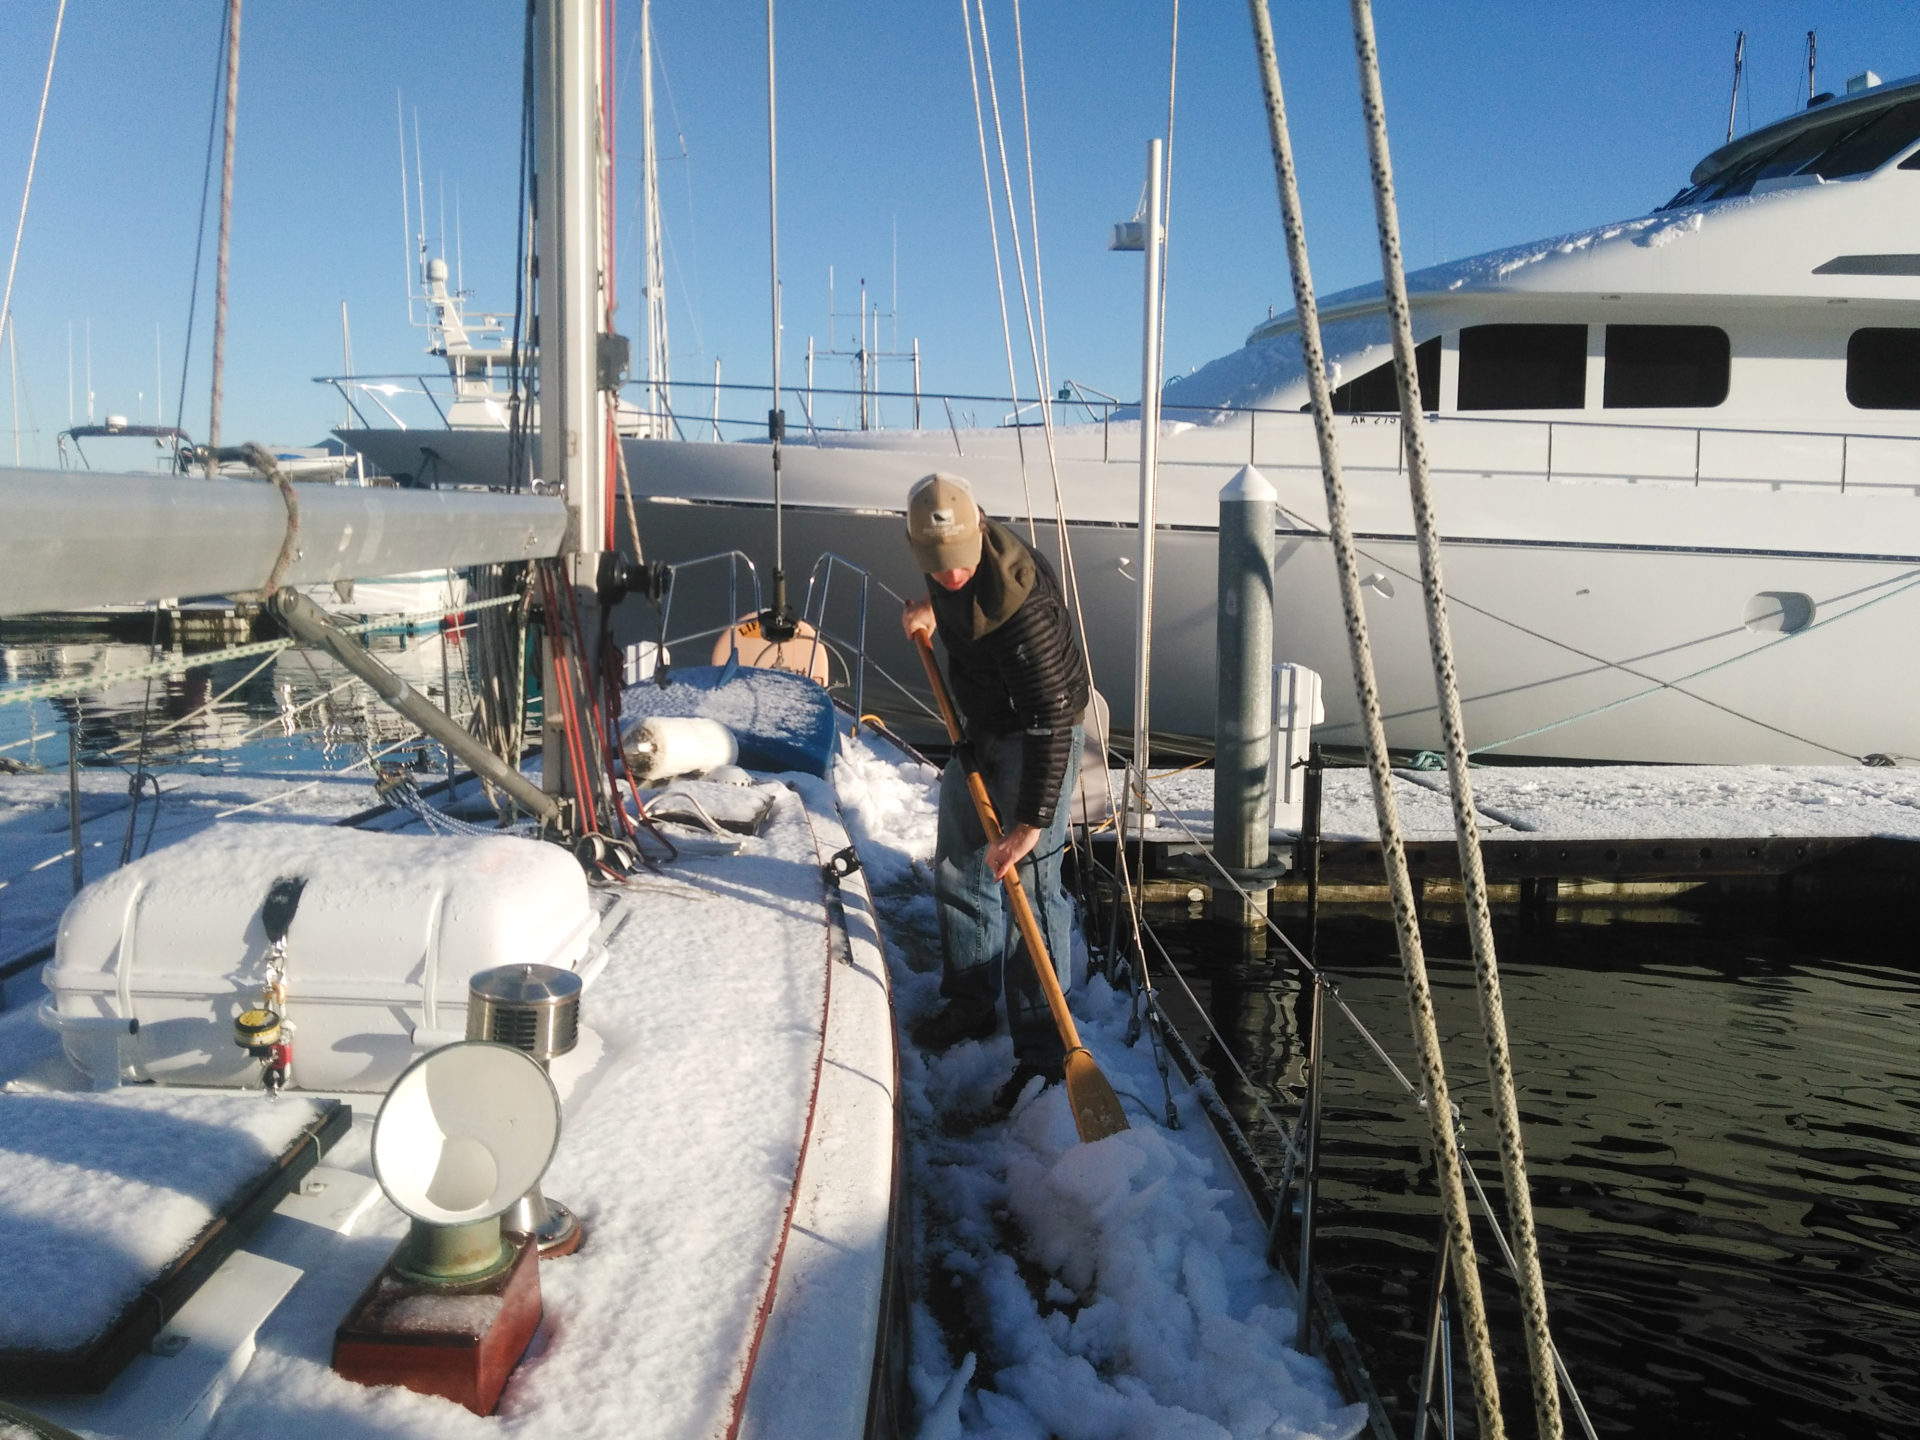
(1473,873)
(993,229)
(33,159)
(1413,963)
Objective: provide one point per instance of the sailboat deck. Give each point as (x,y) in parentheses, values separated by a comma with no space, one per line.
(742,1023)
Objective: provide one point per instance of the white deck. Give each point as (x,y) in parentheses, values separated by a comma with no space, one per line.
(687,1105)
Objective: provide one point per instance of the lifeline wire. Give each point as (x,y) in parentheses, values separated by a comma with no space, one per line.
(1043,372)
(1372,1042)
(1473,874)
(178,664)
(1446,1154)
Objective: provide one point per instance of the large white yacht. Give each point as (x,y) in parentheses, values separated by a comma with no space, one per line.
(1677,462)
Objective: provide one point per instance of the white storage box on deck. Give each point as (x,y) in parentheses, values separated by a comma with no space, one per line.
(387,934)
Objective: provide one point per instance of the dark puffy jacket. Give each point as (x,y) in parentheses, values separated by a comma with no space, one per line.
(1014,663)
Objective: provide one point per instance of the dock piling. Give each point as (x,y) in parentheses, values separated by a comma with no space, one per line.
(1244,729)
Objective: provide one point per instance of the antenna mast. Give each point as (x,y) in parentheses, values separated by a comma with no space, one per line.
(226,235)
(657,362)
(1739,62)
(1809,67)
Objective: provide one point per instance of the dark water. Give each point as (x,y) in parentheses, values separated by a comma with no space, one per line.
(1722,1113)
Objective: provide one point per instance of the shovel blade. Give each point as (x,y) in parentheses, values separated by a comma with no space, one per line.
(1096,1109)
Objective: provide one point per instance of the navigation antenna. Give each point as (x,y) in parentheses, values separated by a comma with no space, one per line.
(1739,62)
(1810,69)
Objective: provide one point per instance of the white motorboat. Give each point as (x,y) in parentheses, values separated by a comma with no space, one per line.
(1674,459)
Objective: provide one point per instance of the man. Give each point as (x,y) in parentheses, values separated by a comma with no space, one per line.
(1019,682)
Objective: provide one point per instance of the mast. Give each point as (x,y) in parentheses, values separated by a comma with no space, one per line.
(650,183)
(573,418)
(346,358)
(226,235)
(13,369)
(1809,67)
(777,623)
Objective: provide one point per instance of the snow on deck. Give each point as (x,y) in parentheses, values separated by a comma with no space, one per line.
(36,868)
(1132,1298)
(100,1193)
(678,1155)
(686,1104)
(1605,802)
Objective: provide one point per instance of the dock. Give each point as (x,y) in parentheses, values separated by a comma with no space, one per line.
(1627,831)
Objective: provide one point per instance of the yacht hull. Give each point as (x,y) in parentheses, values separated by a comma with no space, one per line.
(1601,615)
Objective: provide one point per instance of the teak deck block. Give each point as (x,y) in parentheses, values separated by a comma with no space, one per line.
(457,1341)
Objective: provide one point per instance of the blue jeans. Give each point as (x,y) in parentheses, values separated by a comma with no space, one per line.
(976,929)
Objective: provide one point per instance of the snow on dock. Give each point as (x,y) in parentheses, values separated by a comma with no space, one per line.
(1851,828)
(1608,802)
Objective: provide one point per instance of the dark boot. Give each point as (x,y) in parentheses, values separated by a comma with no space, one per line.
(1008,1095)
(958,1020)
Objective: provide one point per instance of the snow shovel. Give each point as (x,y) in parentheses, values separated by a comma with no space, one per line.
(1096,1109)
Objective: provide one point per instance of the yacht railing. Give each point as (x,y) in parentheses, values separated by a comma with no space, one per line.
(1572,450)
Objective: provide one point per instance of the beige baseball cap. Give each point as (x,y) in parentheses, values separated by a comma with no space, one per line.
(943,524)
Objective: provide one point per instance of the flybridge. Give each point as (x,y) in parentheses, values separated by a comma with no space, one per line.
(1833,139)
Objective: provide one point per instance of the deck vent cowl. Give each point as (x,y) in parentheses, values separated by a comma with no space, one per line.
(534,1008)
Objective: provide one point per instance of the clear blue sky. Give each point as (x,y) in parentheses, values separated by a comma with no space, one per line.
(1509,122)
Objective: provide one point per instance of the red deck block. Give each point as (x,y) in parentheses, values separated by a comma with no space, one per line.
(458,1341)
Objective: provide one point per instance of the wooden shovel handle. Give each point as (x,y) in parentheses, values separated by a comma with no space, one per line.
(990,822)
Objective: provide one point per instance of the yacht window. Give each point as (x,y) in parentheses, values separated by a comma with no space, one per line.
(1523,367)
(1665,365)
(1883,369)
(1378,393)
(1849,145)
(1872,145)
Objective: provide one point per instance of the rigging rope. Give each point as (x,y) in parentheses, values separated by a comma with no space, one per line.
(993,229)
(1043,373)
(1675,684)
(33,159)
(1303,523)
(200,235)
(1473,874)
(1446,1154)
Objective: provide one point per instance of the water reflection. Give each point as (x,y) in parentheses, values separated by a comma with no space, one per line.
(291,704)
(1721,1112)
